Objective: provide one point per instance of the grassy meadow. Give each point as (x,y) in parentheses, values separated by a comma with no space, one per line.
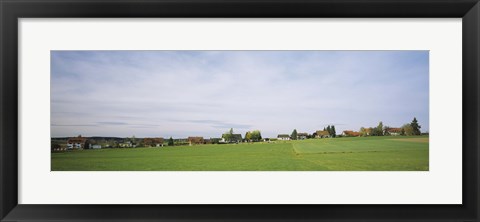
(388,153)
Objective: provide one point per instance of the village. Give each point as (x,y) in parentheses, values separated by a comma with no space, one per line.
(246,110)
(79,142)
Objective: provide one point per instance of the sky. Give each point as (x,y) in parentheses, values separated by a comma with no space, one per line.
(205,93)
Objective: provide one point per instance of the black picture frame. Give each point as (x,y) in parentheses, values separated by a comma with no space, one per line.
(12,10)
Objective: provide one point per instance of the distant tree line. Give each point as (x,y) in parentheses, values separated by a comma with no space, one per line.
(408,129)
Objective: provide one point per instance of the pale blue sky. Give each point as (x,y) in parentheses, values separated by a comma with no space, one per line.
(205,93)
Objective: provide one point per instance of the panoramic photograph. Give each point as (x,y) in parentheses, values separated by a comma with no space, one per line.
(227,110)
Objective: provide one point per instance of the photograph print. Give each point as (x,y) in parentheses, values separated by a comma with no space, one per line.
(226,110)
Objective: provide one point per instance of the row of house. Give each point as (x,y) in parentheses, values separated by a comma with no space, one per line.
(234,138)
(83,143)
(303,136)
(80,142)
(388,131)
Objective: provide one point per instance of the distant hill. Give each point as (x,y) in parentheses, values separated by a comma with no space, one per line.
(94,138)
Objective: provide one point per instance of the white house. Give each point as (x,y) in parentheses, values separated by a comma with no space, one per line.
(283,137)
(96,146)
(393,131)
(127,144)
(302,136)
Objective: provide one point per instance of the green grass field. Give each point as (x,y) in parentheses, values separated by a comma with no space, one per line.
(337,154)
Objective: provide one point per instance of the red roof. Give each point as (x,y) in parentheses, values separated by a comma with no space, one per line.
(322,133)
(150,141)
(78,139)
(351,133)
(195,139)
(394,130)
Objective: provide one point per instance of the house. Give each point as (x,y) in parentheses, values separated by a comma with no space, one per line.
(153,142)
(195,140)
(235,138)
(215,140)
(181,141)
(78,142)
(283,137)
(92,144)
(302,136)
(322,134)
(95,146)
(349,133)
(393,131)
(127,144)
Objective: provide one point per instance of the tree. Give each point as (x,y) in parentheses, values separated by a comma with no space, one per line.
(334,133)
(363,131)
(215,140)
(248,136)
(329,130)
(228,136)
(170,142)
(379,129)
(55,146)
(256,135)
(86,145)
(415,126)
(386,130)
(294,134)
(408,130)
(132,140)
